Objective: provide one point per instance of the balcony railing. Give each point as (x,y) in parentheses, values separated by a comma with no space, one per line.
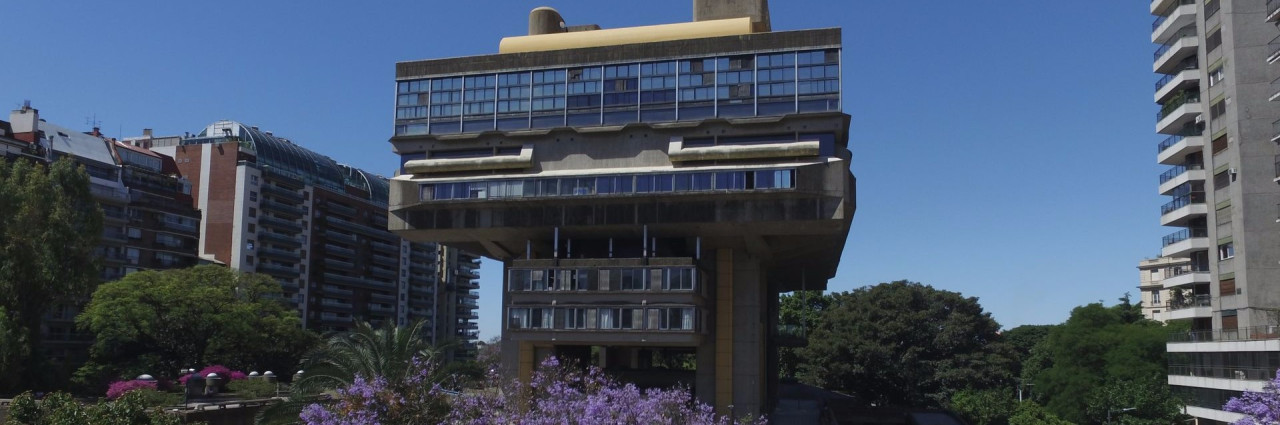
(1182,201)
(1178,170)
(1168,142)
(1190,302)
(1185,234)
(1160,51)
(1176,102)
(280,223)
(1273,8)
(1224,372)
(1255,333)
(287,195)
(1161,19)
(1163,81)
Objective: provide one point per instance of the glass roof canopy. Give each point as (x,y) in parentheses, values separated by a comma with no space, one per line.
(277,154)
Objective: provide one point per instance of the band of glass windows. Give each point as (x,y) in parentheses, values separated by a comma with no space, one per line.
(607,279)
(662,91)
(610,185)
(678,318)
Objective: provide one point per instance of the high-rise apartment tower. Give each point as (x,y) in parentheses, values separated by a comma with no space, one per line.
(1215,93)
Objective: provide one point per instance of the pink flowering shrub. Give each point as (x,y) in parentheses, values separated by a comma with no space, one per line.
(119,388)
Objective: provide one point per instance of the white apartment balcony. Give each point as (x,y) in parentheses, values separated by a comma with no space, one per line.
(1179,81)
(1182,209)
(1191,277)
(1273,10)
(1183,242)
(1170,54)
(1175,115)
(1167,26)
(1178,175)
(1196,307)
(1159,6)
(1273,47)
(1174,149)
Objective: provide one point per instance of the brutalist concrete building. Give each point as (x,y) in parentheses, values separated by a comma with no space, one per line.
(649,190)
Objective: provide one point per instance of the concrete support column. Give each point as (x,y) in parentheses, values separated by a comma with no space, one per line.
(724,331)
(749,338)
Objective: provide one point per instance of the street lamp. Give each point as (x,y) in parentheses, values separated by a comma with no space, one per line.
(1109,411)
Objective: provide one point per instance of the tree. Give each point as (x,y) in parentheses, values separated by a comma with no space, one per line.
(160,322)
(60,409)
(392,354)
(1259,408)
(50,226)
(1031,413)
(905,344)
(1150,402)
(985,407)
(800,309)
(1097,348)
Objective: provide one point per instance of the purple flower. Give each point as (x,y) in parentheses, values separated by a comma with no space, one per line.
(1258,407)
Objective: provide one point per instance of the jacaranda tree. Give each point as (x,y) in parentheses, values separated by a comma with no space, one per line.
(1259,408)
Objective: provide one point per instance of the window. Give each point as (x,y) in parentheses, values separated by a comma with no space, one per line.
(679,279)
(1155,298)
(253,228)
(518,318)
(1221,180)
(1218,109)
(1211,7)
(1227,287)
(1219,144)
(253,212)
(1216,75)
(253,180)
(1226,251)
(1213,40)
(253,196)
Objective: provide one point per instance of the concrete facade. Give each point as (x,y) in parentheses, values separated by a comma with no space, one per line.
(1216,109)
(649,201)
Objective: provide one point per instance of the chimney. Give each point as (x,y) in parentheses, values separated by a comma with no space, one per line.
(545,20)
(146,132)
(25,120)
(757,10)
(96,132)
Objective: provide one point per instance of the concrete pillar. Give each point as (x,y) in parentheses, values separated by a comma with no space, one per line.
(749,340)
(724,331)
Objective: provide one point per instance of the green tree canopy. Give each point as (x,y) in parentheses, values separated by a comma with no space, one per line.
(1097,348)
(49,227)
(905,344)
(801,310)
(159,322)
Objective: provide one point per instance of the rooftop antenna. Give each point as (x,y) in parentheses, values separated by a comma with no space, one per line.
(93,122)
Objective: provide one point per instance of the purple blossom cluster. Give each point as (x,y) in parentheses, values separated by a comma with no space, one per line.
(557,395)
(1258,408)
(415,399)
(119,388)
(568,395)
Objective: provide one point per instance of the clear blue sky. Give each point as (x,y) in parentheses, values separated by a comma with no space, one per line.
(1003,149)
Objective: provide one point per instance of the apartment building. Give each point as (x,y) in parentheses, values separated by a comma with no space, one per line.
(148,220)
(319,227)
(1215,59)
(649,190)
(1156,299)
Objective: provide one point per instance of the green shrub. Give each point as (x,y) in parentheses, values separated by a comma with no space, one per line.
(253,388)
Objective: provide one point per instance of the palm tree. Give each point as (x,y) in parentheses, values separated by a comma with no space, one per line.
(388,352)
